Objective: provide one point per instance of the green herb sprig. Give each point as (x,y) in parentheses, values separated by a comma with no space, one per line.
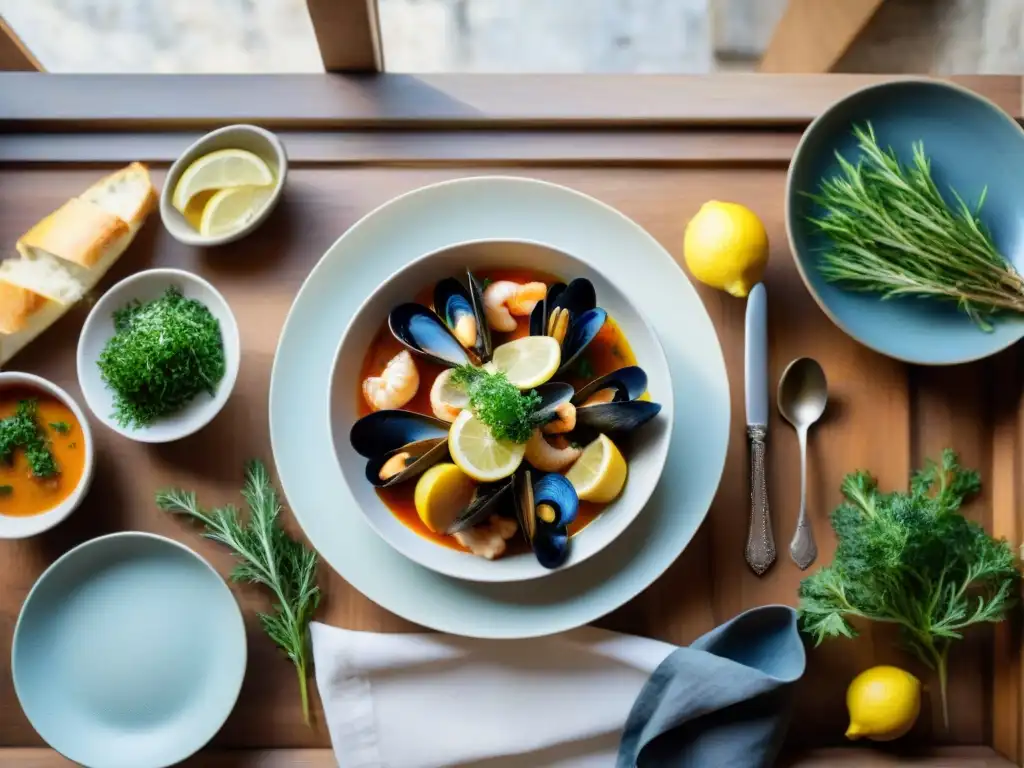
(893,233)
(911,559)
(498,403)
(267,555)
(6,490)
(22,430)
(60,427)
(163,354)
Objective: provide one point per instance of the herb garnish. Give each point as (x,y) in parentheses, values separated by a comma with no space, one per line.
(267,555)
(163,354)
(911,559)
(22,431)
(892,233)
(6,490)
(498,403)
(61,427)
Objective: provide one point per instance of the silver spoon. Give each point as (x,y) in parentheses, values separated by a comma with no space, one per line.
(803,393)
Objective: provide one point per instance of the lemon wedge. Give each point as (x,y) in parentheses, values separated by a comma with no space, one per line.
(478,454)
(599,474)
(442,492)
(528,362)
(231,209)
(220,170)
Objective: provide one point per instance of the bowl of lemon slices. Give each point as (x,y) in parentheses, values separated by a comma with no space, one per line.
(224,185)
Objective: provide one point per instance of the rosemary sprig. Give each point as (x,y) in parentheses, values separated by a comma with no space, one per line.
(267,555)
(893,233)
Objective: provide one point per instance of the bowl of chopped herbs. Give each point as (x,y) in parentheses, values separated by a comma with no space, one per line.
(159,355)
(905,219)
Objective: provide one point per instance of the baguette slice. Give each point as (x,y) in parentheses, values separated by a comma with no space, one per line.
(68,252)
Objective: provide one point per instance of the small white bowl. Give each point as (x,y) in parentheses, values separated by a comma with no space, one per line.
(99,328)
(12,527)
(260,142)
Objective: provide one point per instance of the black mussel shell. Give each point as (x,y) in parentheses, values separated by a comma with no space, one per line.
(582,330)
(578,297)
(629,383)
(541,312)
(549,540)
(423,455)
(476,295)
(423,332)
(552,549)
(485,502)
(454,303)
(383,431)
(616,417)
(556,491)
(522,494)
(552,394)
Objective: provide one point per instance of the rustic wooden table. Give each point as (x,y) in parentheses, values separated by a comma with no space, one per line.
(655,149)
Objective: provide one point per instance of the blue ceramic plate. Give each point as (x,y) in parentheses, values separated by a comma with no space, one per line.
(972,144)
(129,652)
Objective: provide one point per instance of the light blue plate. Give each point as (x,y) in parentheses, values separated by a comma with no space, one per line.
(972,144)
(129,652)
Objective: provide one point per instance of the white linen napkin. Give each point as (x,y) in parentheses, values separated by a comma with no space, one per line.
(426,700)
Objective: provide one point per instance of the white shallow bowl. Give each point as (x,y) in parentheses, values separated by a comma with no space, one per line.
(261,143)
(646,450)
(12,527)
(99,328)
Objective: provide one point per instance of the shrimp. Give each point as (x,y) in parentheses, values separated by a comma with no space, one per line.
(601,397)
(547,457)
(396,386)
(503,299)
(446,400)
(488,540)
(564,421)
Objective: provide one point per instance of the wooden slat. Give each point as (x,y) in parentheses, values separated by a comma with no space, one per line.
(812,35)
(348,34)
(77,102)
(14,54)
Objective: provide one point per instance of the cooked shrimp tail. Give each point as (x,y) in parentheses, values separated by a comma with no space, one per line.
(547,457)
(564,421)
(505,300)
(396,385)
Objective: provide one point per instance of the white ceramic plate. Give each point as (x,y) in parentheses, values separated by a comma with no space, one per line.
(646,450)
(490,208)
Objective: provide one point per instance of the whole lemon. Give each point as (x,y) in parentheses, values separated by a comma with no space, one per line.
(726,247)
(883,703)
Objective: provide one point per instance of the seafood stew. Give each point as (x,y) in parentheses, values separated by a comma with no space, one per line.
(494,409)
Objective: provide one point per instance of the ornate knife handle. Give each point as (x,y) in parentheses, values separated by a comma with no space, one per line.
(760,552)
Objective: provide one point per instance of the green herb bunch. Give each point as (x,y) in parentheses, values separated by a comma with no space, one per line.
(163,354)
(267,555)
(911,559)
(23,431)
(498,403)
(893,233)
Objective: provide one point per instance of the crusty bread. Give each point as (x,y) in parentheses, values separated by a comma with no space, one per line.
(68,252)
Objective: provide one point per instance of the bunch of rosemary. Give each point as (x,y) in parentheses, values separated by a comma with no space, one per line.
(911,559)
(893,233)
(267,555)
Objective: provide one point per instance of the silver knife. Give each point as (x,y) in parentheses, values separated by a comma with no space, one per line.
(760,551)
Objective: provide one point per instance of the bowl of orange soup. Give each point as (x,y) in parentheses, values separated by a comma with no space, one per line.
(46,455)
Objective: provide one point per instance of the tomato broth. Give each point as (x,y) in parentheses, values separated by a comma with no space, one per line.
(609,351)
(22,493)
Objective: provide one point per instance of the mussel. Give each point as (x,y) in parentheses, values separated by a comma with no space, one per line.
(545,509)
(570,314)
(486,501)
(555,413)
(399,445)
(454,333)
(610,404)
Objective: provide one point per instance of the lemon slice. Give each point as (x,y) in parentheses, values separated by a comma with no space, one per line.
(442,492)
(193,212)
(528,362)
(599,474)
(220,170)
(232,208)
(478,454)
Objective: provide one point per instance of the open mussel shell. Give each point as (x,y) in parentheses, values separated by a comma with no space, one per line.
(462,310)
(578,297)
(417,458)
(582,330)
(629,383)
(383,431)
(423,332)
(616,417)
(552,394)
(552,497)
(486,501)
(541,312)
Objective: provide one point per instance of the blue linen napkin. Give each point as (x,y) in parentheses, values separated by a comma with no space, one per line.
(723,701)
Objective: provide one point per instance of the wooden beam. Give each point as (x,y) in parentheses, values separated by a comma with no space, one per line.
(813,34)
(348,34)
(14,55)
